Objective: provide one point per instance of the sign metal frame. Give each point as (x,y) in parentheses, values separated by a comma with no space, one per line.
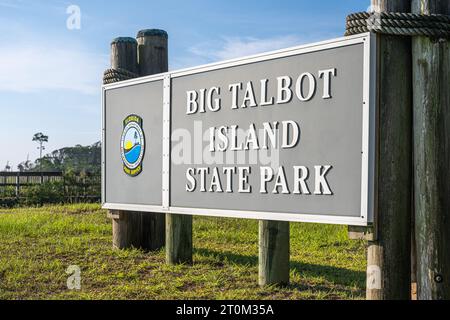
(368,178)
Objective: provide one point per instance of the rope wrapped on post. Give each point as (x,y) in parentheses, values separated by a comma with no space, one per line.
(400,24)
(116,75)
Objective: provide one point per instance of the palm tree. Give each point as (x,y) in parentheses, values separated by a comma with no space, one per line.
(40,138)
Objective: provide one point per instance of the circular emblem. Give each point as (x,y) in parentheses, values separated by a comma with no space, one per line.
(132,145)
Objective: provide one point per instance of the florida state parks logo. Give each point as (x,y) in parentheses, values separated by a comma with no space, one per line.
(132,145)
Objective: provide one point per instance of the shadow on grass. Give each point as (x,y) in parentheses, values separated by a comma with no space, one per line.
(336,275)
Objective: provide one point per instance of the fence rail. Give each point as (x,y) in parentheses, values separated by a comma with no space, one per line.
(15,186)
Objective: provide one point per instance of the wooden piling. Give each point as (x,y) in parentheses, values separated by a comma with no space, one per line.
(126,229)
(124,54)
(178,239)
(152,59)
(389,257)
(126,224)
(273,253)
(431,109)
(152,51)
(143,229)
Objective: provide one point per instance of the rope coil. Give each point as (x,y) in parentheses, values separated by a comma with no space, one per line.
(400,24)
(116,75)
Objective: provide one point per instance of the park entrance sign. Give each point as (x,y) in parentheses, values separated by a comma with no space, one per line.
(287,135)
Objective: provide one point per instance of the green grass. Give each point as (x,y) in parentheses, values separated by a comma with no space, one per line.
(37,245)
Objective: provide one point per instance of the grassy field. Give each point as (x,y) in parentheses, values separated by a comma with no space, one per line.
(37,245)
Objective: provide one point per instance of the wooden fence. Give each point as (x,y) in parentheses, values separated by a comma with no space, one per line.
(85,187)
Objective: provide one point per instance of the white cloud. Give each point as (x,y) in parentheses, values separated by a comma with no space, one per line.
(234,47)
(35,67)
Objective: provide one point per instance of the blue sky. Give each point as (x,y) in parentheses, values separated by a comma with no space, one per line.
(50,76)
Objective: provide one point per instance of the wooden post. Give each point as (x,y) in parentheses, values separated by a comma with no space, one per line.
(273,253)
(362,233)
(431,74)
(18,185)
(178,239)
(126,224)
(126,229)
(389,257)
(124,54)
(153,53)
(152,59)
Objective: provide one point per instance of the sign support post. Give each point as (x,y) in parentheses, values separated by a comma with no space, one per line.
(152,59)
(389,257)
(431,109)
(126,225)
(178,239)
(273,252)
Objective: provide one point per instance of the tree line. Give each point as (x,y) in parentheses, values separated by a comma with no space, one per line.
(76,159)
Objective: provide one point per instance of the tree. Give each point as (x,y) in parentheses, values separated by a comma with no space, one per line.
(25,166)
(7,167)
(40,138)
